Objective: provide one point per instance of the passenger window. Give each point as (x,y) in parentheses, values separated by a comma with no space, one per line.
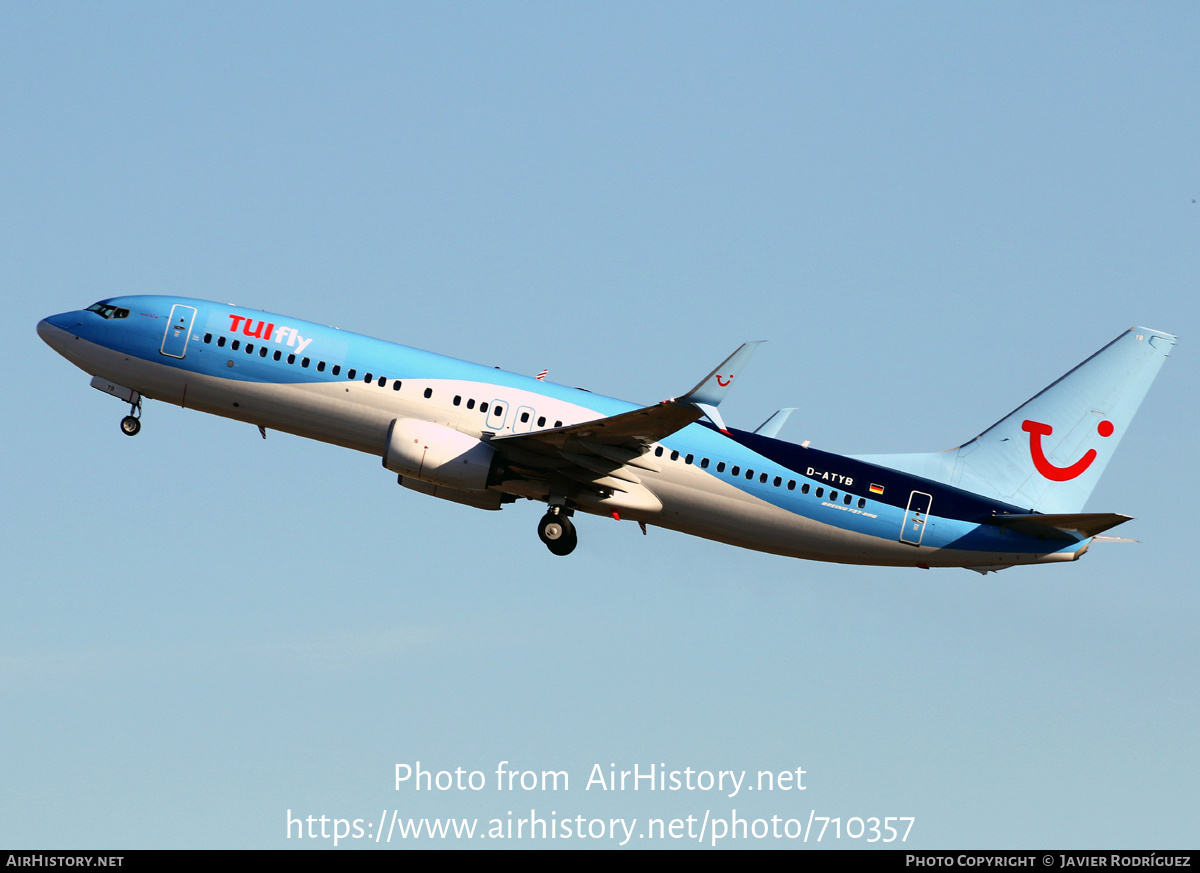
(658,450)
(337,368)
(320,366)
(382,382)
(249,348)
(262,353)
(368,379)
(428,393)
(235,345)
(458,400)
(558,424)
(304,362)
(483,406)
(734,470)
(524,417)
(674,456)
(396,385)
(804,488)
(820,492)
(220,342)
(749,473)
(832,495)
(704,463)
(278,354)
(496,411)
(720,466)
(471,403)
(778,481)
(862,502)
(791,484)
(208,338)
(291,359)
(350,374)
(846,499)
(541,421)
(688,459)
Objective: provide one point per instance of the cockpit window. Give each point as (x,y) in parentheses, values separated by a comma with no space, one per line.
(106,311)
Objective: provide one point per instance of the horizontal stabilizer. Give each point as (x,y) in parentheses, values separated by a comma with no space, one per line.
(1062,527)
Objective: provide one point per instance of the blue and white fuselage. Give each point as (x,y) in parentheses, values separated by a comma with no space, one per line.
(484,437)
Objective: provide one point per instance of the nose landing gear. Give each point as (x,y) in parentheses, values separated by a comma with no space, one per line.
(557,532)
(131,423)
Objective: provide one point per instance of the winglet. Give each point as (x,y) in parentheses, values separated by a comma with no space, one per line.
(772,425)
(711,390)
(713,415)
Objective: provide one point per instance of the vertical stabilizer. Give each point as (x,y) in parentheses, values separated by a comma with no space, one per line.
(1049,453)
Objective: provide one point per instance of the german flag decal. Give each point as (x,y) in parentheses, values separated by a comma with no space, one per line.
(876,489)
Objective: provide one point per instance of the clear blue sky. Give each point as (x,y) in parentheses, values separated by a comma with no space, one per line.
(929,210)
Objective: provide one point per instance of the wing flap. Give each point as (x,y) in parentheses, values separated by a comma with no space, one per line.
(601,467)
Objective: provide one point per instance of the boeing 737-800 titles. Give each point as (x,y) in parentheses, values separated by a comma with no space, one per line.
(484,437)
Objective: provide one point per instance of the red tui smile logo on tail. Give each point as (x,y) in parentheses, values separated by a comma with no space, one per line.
(1037,430)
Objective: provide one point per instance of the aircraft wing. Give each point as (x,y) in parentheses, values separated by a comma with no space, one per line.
(631,431)
(598,453)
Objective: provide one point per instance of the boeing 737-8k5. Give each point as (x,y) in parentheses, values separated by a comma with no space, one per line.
(485,437)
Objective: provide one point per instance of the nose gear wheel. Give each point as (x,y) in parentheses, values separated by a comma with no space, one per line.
(131,423)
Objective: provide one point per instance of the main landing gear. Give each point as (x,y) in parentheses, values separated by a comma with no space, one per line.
(131,423)
(557,532)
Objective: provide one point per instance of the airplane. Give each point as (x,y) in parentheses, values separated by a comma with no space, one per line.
(484,437)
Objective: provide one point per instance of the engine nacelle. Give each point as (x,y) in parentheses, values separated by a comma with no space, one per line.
(437,454)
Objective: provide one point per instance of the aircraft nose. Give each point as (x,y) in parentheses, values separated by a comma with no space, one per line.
(53,329)
(62,321)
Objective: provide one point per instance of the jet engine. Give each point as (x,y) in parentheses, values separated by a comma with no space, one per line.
(437,454)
